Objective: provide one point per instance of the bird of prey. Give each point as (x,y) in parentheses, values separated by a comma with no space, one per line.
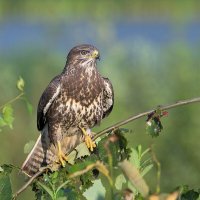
(74,101)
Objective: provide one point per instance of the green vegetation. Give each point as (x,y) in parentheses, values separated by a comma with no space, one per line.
(144,73)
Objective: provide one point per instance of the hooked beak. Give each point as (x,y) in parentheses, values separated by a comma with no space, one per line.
(96,54)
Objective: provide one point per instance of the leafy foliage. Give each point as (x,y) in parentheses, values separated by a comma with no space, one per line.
(6,118)
(104,164)
(6,110)
(5,183)
(187,193)
(153,124)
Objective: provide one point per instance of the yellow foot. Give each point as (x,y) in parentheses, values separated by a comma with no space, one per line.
(88,141)
(61,156)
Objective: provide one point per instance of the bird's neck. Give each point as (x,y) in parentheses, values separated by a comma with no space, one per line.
(86,81)
(87,70)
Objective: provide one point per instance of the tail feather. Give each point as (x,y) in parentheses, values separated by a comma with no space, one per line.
(45,153)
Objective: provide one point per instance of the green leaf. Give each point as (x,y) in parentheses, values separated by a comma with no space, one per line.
(146,169)
(86,181)
(1,169)
(82,150)
(152,128)
(145,152)
(71,157)
(2,123)
(191,194)
(79,166)
(5,183)
(7,168)
(20,84)
(28,105)
(106,185)
(8,115)
(134,158)
(47,189)
(120,180)
(5,187)
(97,191)
(28,146)
(186,193)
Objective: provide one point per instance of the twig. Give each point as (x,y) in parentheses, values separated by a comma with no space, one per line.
(12,100)
(29,182)
(132,118)
(155,159)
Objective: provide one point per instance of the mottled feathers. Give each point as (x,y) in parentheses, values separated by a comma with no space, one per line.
(77,98)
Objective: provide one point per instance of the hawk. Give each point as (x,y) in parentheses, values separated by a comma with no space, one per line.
(74,101)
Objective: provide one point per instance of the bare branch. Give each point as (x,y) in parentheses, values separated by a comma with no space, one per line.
(29,182)
(132,118)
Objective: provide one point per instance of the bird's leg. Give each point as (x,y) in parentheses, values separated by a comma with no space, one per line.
(88,140)
(61,155)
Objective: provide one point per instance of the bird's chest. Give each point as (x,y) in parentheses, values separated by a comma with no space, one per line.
(76,113)
(81,101)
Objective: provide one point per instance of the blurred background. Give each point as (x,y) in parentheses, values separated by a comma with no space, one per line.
(149,49)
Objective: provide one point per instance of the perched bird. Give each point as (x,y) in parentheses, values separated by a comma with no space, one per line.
(73,102)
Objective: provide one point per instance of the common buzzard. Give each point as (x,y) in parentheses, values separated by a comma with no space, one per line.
(73,103)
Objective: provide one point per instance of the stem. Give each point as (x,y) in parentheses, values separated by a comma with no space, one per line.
(134,117)
(12,100)
(158,170)
(29,182)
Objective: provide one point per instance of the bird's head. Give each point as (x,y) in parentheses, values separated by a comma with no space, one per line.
(83,54)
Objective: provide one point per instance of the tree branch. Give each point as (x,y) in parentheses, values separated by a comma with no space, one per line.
(134,117)
(29,182)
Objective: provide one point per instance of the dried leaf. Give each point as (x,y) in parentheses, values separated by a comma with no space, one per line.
(134,176)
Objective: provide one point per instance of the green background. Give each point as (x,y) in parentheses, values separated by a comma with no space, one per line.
(149,50)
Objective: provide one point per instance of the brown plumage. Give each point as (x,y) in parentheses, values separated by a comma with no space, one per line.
(78,98)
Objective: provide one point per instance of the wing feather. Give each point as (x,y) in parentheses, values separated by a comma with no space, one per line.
(108,97)
(46,100)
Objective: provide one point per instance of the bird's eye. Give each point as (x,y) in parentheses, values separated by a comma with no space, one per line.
(84,52)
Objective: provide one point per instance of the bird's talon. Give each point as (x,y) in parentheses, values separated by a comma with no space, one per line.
(88,140)
(61,156)
(89,143)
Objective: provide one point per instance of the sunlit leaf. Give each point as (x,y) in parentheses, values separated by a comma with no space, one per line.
(2,122)
(145,152)
(71,157)
(8,115)
(134,158)
(82,150)
(20,84)
(146,169)
(120,180)
(97,191)
(1,169)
